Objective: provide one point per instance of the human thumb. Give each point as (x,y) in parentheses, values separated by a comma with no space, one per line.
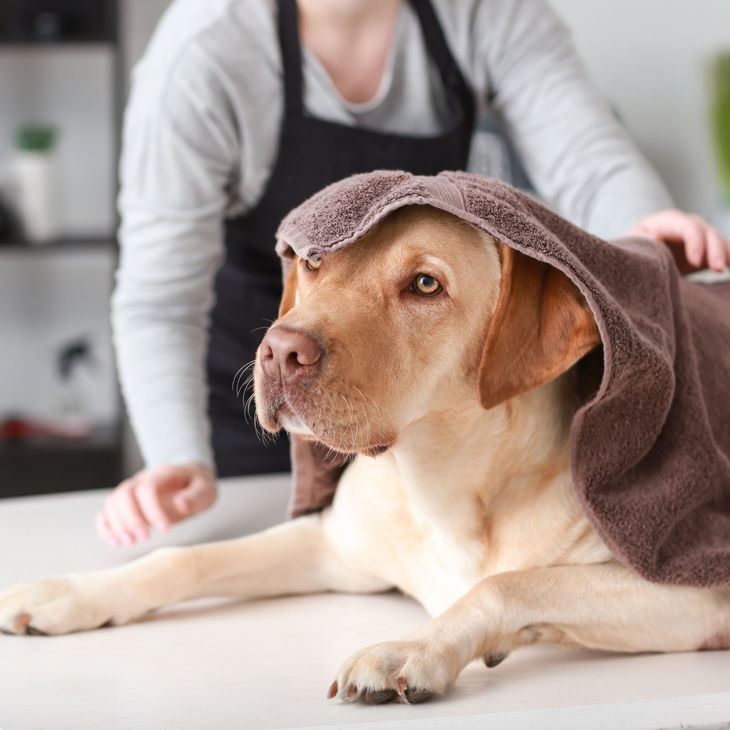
(197,496)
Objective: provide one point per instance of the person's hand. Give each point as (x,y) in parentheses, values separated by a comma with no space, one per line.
(693,241)
(155,497)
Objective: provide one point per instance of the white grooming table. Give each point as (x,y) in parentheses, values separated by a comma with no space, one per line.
(268,664)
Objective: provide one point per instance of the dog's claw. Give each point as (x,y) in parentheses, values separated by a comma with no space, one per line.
(379,697)
(332,692)
(415,696)
(22,622)
(33,631)
(402,685)
(492,660)
(351,691)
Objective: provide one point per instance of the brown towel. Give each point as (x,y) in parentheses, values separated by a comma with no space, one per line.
(650,453)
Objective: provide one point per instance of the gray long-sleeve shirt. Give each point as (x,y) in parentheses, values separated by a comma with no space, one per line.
(200,139)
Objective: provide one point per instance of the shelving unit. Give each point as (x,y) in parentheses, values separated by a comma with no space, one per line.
(34,465)
(41,465)
(60,245)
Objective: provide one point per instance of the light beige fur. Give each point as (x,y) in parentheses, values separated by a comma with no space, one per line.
(469,509)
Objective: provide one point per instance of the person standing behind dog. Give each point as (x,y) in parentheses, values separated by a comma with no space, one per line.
(241,109)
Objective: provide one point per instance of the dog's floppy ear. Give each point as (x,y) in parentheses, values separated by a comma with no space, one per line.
(542,325)
(289,296)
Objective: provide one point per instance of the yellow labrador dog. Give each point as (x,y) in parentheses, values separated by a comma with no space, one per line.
(401,348)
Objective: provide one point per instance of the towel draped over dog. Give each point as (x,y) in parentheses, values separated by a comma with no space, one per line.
(650,451)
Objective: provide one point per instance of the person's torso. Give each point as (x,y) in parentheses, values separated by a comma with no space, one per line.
(239,39)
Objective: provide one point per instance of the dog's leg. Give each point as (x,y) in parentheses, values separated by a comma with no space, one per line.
(603,606)
(295,557)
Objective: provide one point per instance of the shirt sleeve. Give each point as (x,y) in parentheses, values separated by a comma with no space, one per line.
(179,151)
(575,151)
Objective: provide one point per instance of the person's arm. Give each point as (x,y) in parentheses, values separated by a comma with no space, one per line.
(178,158)
(577,154)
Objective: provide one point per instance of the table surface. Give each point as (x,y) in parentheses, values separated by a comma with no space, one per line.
(268,664)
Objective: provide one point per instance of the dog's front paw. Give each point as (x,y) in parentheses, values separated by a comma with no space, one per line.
(55,606)
(410,671)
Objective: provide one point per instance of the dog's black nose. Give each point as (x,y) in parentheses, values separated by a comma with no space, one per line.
(288,352)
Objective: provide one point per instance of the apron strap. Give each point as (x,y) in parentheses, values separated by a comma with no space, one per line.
(440,52)
(291,57)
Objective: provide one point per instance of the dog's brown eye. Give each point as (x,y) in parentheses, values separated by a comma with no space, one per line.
(313,264)
(426,285)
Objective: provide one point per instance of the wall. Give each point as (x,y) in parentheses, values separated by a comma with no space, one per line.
(48,299)
(651,58)
(140,18)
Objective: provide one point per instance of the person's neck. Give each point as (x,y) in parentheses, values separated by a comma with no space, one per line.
(345,15)
(351,39)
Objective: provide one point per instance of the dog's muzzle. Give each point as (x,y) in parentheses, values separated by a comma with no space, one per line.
(287,355)
(290,360)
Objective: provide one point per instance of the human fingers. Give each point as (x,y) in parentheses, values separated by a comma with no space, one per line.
(693,233)
(151,493)
(129,513)
(114,520)
(718,250)
(198,495)
(676,226)
(103,529)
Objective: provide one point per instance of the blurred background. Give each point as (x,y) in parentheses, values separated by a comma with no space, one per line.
(64,69)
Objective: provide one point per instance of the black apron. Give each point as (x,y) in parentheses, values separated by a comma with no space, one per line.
(312,154)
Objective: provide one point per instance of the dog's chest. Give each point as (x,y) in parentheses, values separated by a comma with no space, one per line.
(445,567)
(385,533)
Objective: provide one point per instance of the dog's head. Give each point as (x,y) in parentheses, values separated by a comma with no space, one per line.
(425,314)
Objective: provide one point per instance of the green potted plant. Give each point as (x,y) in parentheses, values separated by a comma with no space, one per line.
(35,182)
(720,114)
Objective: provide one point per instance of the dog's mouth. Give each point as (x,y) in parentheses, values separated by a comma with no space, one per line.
(293,423)
(319,415)
(275,412)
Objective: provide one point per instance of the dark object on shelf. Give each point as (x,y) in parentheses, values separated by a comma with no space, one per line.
(8,223)
(74,353)
(43,465)
(58,21)
(17,244)
(16,428)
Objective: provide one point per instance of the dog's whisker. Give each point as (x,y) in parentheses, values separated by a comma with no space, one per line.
(331,454)
(237,377)
(248,387)
(262,434)
(263,327)
(367,401)
(351,423)
(247,409)
(236,385)
(245,385)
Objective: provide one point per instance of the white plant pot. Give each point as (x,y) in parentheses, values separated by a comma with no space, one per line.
(35,183)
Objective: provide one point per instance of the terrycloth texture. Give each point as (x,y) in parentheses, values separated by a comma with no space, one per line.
(650,453)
